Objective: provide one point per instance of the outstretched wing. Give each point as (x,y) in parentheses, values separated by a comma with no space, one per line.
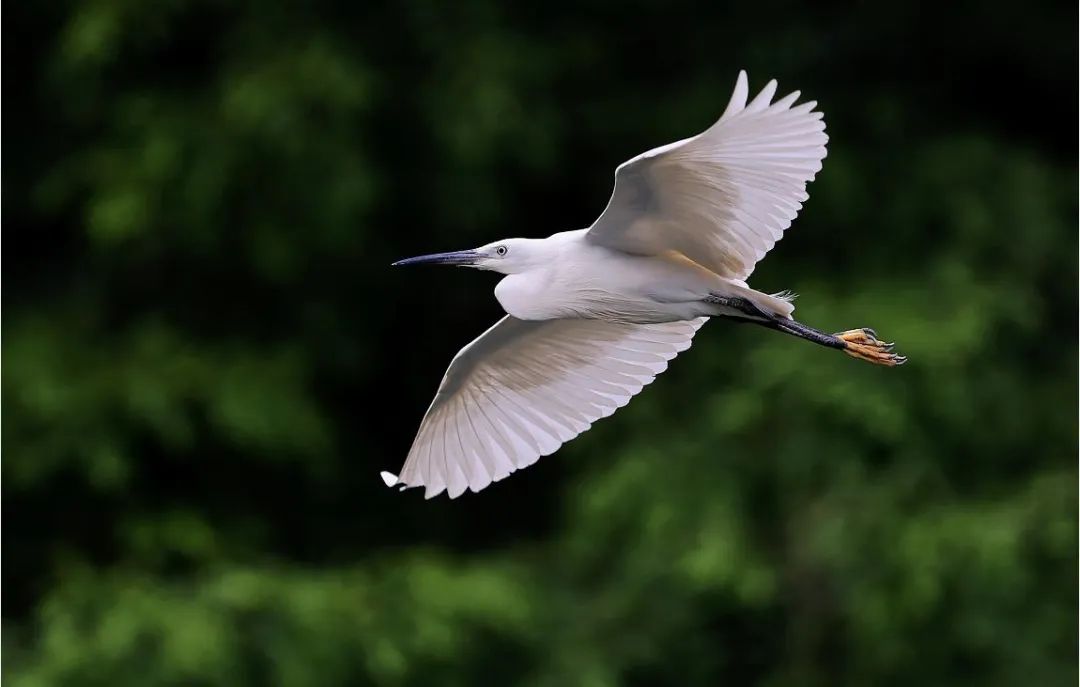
(523,388)
(722,198)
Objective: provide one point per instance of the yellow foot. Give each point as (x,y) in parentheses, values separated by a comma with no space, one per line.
(864,345)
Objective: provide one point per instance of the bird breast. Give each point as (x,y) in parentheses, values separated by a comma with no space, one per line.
(525,297)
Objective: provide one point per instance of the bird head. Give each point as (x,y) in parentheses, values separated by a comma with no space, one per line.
(509,256)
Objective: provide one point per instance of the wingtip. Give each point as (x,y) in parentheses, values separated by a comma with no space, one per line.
(738,96)
(389,478)
(763,98)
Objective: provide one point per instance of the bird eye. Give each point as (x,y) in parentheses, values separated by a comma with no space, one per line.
(500,251)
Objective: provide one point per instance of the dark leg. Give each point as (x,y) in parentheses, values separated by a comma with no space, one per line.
(858,343)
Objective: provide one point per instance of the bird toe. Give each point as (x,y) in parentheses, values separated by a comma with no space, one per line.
(863,344)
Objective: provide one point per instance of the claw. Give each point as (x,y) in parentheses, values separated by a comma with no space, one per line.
(864,345)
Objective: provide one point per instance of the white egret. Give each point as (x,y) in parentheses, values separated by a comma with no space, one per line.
(594,315)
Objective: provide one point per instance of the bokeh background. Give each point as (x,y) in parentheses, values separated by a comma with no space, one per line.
(207,359)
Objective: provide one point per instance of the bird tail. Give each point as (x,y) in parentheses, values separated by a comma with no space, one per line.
(776,303)
(779,303)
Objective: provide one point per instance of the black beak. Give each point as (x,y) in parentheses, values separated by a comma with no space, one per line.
(461,258)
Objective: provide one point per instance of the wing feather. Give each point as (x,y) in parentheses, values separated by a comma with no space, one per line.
(522,389)
(725,197)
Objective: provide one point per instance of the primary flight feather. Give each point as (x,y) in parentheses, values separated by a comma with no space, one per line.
(594,315)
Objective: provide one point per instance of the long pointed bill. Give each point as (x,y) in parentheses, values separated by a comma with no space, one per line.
(462,258)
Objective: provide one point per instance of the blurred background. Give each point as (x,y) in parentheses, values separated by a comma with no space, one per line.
(207,359)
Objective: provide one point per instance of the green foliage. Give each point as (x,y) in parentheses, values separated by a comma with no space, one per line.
(207,360)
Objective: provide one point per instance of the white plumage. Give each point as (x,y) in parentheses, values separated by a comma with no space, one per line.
(722,198)
(523,389)
(595,314)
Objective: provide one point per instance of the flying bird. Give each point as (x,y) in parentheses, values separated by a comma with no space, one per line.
(593,315)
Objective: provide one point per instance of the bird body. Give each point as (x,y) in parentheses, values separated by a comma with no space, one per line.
(577,278)
(594,315)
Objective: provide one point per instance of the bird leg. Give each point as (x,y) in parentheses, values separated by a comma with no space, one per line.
(858,343)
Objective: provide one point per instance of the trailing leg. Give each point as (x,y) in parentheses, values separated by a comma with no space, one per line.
(858,343)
